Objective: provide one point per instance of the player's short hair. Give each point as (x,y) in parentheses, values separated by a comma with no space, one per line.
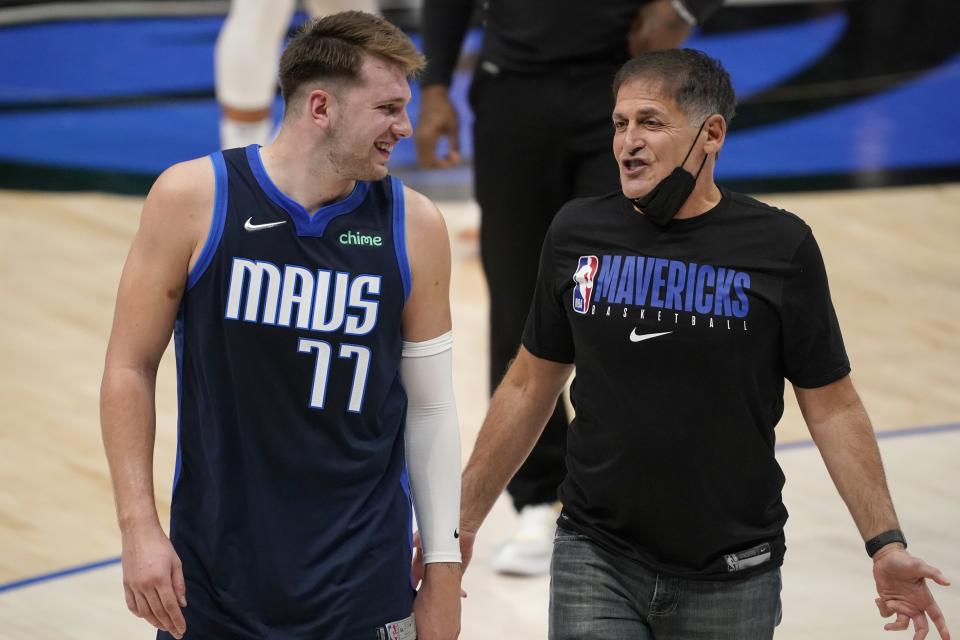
(332,48)
(696,82)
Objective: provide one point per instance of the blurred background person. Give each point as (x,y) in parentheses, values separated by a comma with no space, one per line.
(542,102)
(245,62)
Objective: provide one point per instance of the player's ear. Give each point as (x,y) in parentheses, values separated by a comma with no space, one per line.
(319,103)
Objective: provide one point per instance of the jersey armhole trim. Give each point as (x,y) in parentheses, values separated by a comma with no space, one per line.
(216,223)
(400,234)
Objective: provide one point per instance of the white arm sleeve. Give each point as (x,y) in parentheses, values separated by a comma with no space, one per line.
(432,443)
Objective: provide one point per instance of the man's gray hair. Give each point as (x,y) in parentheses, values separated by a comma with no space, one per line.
(698,83)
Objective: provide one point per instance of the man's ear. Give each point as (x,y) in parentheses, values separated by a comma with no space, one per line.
(319,105)
(716,130)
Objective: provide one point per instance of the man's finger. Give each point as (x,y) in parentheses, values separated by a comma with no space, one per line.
(452,159)
(885,611)
(418,568)
(179,585)
(453,136)
(902,622)
(425,140)
(143,610)
(920,626)
(156,607)
(932,573)
(131,601)
(938,620)
(168,600)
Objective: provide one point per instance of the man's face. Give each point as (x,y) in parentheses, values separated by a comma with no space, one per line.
(370,119)
(651,136)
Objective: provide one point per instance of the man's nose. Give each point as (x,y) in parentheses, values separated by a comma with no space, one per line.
(634,138)
(403,128)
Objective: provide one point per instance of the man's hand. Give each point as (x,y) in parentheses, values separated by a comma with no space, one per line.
(656,25)
(437,607)
(153,579)
(467,538)
(438,119)
(902,587)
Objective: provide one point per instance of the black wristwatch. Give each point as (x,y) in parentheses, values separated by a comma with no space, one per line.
(887,537)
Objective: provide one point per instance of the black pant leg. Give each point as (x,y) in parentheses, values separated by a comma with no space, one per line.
(533,153)
(518,170)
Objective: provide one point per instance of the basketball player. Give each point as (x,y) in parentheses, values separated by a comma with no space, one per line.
(308,296)
(245,63)
(702,302)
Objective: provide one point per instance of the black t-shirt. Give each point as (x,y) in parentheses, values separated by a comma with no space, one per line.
(682,337)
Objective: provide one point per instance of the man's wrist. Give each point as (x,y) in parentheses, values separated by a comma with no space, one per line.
(434,89)
(469,522)
(134,520)
(443,571)
(878,542)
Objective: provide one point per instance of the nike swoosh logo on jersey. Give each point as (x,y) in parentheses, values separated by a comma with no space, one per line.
(636,337)
(249,226)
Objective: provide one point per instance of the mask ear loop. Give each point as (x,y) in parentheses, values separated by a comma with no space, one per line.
(690,150)
(701,166)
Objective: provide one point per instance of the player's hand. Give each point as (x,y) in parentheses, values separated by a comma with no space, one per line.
(153,579)
(438,119)
(902,586)
(437,607)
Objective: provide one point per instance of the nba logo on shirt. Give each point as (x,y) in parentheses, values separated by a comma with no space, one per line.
(583,276)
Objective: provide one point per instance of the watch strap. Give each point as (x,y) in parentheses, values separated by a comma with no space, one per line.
(887,537)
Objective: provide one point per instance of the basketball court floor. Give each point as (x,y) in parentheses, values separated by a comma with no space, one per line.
(97,105)
(892,259)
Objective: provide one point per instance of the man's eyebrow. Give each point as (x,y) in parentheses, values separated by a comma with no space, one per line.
(639,113)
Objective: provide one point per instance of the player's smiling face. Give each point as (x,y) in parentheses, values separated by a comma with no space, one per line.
(651,136)
(372,118)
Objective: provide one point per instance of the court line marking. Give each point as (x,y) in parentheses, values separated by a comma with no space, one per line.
(786,446)
(46,577)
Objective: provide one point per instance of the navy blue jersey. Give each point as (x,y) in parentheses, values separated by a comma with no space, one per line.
(291,507)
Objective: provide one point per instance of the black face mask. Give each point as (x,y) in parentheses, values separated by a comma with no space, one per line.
(666,198)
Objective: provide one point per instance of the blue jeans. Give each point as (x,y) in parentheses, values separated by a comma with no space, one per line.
(598,595)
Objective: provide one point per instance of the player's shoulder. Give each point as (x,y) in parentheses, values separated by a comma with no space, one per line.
(421,213)
(185,186)
(426,230)
(182,198)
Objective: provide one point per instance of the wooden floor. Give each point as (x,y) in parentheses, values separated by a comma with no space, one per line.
(894,267)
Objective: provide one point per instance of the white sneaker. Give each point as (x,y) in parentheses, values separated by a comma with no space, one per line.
(527,552)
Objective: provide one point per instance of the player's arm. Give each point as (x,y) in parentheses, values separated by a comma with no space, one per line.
(839,425)
(432,435)
(519,410)
(444,25)
(176,215)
